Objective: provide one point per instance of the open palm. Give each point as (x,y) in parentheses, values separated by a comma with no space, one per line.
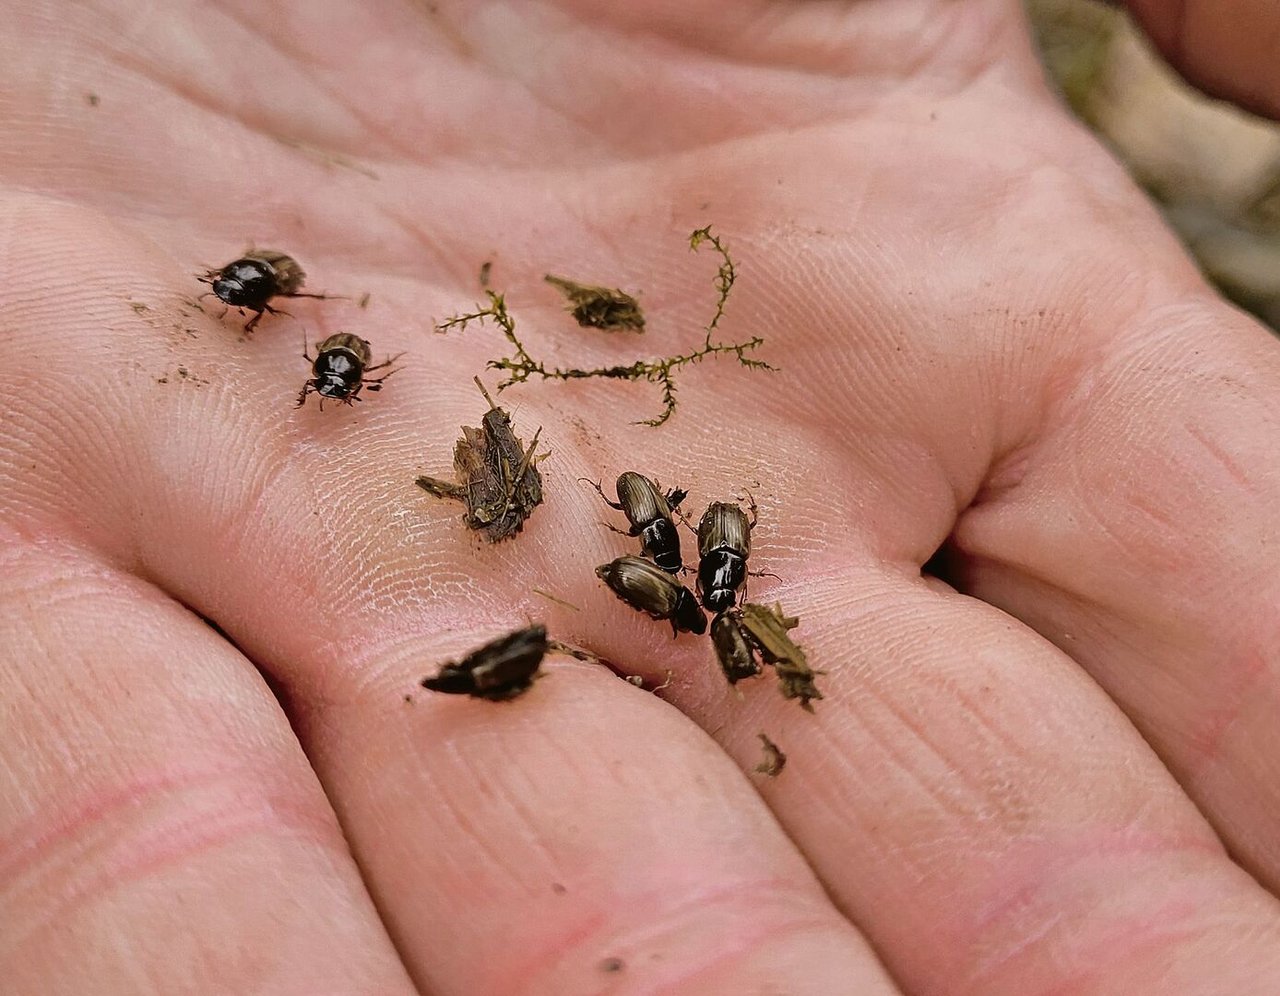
(1063,780)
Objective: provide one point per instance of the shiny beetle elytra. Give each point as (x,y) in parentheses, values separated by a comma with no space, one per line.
(339,369)
(649,512)
(647,588)
(724,543)
(502,669)
(250,282)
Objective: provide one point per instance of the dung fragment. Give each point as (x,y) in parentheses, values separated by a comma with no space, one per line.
(606,308)
(767,628)
(497,478)
(774,760)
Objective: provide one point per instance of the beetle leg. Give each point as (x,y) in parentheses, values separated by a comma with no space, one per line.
(390,360)
(600,492)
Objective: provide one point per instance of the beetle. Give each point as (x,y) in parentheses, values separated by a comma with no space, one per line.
(250,282)
(724,543)
(502,669)
(735,652)
(339,369)
(649,512)
(648,588)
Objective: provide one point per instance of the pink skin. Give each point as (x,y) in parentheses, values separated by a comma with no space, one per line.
(1061,780)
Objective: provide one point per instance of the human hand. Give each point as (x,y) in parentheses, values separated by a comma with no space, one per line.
(1062,780)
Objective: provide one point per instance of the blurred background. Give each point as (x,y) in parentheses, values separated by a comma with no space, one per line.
(1213,169)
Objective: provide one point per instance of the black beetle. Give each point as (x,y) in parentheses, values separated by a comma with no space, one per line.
(724,543)
(645,587)
(649,512)
(502,669)
(254,279)
(735,652)
(339,368)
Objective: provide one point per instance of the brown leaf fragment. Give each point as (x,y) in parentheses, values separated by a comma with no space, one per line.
(594,307)
(768,628)
(498,478)
(774,760)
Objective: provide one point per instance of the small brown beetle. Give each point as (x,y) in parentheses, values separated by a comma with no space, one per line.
(647,588)
(250,282)
(649,512)
(502,669)
(339,368)
(734,651)
(724,543)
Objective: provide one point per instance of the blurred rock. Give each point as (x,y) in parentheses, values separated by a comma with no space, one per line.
(1213,168)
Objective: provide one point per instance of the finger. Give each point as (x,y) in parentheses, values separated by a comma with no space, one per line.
(1138,536)
(1226,48)
(962,781)
(582,834)
(160,830)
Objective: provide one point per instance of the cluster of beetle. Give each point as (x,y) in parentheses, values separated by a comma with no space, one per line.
(506,667)
(652,585)
(342,361)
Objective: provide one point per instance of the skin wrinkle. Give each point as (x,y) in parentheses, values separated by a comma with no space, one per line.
(662,920)
(1237,473)
(938,49)
(160,845)
(176,82)
(1064,860)
(1217,720)
(1241,681)
(297,56)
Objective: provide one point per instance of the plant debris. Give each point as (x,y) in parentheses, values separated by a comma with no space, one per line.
(502,669)
(774,760)
(520,365)
(767,628)
(498,478)
(555,598)
(607,308)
